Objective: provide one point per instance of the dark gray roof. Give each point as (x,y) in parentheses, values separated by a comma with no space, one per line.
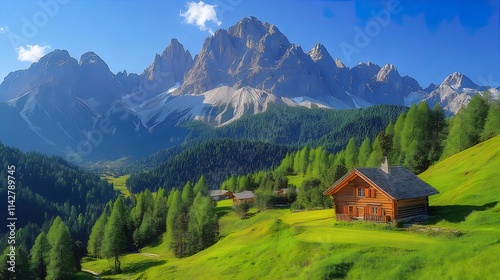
(218,192)
(244,195)
(401,183)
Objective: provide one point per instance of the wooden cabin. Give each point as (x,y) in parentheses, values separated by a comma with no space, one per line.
(380,194)
(246,196)
(220,194)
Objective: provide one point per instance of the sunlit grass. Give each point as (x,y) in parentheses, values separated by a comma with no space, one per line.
(119,183)
(278,244)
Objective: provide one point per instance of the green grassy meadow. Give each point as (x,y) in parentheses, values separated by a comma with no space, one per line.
(119,183)
(461,241)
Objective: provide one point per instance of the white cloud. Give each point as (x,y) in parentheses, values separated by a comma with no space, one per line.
(199,14)
(4,29)
(32,53)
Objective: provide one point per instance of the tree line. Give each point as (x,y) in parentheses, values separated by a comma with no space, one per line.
(416,140)
(54,255)
(47,187)
(186,220)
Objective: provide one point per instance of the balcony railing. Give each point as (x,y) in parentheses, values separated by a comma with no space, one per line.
(374,218)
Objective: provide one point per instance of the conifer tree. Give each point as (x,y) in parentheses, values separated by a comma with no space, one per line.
(115,238)
(202,227)
(40,256)
(94,245)
(188,194)
(61,258)
(438,128)
(351,154)
(22,264)
(377,155)
(492,123)
(160,213)
(201,186)
(364,152)
(395,155)
(466,127)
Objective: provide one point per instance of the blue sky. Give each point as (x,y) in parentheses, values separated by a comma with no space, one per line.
(424,39)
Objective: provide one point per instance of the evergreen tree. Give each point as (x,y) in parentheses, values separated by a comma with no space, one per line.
(177,223)
(94,245)
(492,123)
(61,258)
(22,264)
(364,152)
(40,256)
(466,127)
(52,233)
(143,233)
(438,128)
(475,116)
(115,238)
(4,265)
(351,154)
(303,160)
(201,186)
(160,213)
(188,194)
(337,172)
(377,155)
(296,162)
(202,227)
(396,140)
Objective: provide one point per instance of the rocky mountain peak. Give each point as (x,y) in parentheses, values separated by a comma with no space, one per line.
(388,72)
(318,52)
(431,87)
(458,80)
(339,63)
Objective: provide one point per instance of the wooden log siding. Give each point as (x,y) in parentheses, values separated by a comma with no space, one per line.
(411,207)
(349,196)
(378,195)
(343,217)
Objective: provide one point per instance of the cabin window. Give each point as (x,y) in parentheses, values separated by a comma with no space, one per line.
(361,192)
(351,209)
(375,210)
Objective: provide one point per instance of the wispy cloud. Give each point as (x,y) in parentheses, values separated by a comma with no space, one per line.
(200,14)
(31,53)
(4,29)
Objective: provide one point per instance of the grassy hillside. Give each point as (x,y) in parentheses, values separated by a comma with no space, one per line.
(469,177)
(118,183)
(469,186)
(461,242)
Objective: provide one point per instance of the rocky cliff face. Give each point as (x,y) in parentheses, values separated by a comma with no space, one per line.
(239,71)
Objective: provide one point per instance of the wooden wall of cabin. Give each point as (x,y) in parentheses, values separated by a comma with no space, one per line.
(411,207)
(348,196)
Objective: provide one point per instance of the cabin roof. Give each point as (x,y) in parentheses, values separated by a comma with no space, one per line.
(218,192)
(400,183)
(244,195)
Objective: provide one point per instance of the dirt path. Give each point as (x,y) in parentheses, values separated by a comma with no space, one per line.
(91,272)
(149,255)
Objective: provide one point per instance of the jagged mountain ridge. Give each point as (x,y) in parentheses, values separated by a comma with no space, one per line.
(239,71)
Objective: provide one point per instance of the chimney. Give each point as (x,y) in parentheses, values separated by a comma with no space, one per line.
(385,166)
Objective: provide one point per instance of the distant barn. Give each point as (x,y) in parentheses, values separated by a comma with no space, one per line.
(246,196)
(380,194)
(220,194)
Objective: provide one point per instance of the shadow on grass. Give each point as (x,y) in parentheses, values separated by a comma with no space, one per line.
(84,276)
(140,266)
(223,211)
(455,213)
(248,216)
(135,267)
